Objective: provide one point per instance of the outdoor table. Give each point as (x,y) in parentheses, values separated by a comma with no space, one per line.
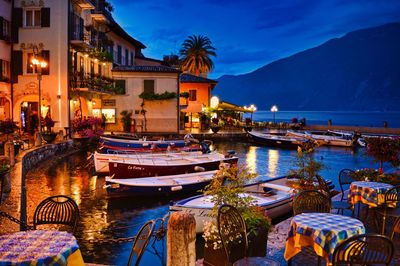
(40,247)
(370,193)
(322,231)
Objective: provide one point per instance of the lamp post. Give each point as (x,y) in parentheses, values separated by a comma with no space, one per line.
(40,64)
(252,109)
(274,109)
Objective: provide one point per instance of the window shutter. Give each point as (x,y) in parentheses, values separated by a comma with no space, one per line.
(1,29)
(16,23)
(46,57)
(16,65)
(149,86)
(81,22)
(45,16)
(120,85)
(1,69)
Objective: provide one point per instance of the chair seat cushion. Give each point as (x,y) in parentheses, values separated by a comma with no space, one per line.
(256,261)
(340,205)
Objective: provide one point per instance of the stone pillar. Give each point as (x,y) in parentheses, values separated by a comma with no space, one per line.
(181,239)
(9,151)
(38,139)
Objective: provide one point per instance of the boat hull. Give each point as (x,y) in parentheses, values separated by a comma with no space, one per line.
(158,186)
(141,144)
(276,141)
(120,169)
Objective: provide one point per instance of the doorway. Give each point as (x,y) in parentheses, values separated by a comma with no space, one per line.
(29,117)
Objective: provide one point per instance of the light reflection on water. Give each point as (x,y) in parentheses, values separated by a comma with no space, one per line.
(101,216)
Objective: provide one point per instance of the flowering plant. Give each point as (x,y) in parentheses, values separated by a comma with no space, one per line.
(87,127)
(384,149)
(370,174)
(48,123)
(227,188)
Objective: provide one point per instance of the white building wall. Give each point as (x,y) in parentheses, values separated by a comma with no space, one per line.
(54,86)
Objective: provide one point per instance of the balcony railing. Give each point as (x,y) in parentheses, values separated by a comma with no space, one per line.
(92,82)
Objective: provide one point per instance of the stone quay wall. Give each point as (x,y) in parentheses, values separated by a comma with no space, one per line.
(15,202)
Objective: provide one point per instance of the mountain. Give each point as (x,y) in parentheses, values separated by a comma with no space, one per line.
(359,71)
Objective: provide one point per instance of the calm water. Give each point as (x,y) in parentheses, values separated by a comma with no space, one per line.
(367,118)
(103,218)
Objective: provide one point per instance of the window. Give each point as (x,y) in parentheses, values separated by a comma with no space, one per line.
(192,95)
(4,29)
(119,54)
(148,86)
(120,87)
(33,18)
(4,70)
(108,114)
(131,58)
(126,57)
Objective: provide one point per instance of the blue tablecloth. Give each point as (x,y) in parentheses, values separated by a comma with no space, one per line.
(37,247)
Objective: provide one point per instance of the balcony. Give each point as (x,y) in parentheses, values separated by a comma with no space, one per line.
(92,83)
(84,4)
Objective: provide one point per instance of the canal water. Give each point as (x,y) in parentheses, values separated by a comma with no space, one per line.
(103,219)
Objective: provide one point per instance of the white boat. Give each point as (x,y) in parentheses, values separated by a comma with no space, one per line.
(277,140)
(273,195)
(324,138)
(101,159)
(158,185)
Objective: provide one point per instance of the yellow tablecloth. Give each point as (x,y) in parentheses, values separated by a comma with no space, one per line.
(370,193)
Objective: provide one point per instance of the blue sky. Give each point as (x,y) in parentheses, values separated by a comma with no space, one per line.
(247,34)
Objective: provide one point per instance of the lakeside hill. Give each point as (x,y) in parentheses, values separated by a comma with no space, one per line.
(359,71)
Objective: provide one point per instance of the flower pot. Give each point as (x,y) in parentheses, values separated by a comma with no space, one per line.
(215,129)
(214,257)
(49,137)
(258,243)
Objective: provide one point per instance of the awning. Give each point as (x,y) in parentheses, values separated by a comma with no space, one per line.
(193,108)
(225,106)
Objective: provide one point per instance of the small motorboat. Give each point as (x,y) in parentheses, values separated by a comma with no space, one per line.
(158,166)
(272,195)
(158,185)
(142,144)
(101,160)
(277,140)
(324,138)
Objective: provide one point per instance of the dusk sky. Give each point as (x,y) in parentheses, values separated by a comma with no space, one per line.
(247,34)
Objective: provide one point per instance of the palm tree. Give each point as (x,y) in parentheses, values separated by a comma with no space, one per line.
(195,55)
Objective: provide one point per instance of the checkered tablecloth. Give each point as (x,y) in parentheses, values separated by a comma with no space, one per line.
(323,231)
(371,193)
(37,247)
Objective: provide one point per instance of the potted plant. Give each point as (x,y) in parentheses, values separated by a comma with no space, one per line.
(384,150)
(216,124)
(227,188)
(126,119)
(48,135)
(307,168)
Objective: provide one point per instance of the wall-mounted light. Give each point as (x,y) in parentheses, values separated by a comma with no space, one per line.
(74,101)
(96,60)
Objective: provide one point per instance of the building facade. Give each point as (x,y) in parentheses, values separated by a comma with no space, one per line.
(93,68)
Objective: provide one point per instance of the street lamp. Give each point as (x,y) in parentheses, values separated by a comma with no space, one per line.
(252,109)
(274,109)
(40,64)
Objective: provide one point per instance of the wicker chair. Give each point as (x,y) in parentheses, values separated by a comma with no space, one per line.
(392,198)
(311,201)
(140,243)
(344,181)
(396,228)
(232,230)
(337,205)
(59,209)
(365,249)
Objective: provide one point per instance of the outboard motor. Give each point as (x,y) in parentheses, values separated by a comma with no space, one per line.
(205,148)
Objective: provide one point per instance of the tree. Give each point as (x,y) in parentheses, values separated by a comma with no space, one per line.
(171,60)
(195,55)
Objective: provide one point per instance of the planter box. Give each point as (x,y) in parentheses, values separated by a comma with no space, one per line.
(49,137)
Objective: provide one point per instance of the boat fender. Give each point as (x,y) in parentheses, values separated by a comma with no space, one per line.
(176,188)
(199,169)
